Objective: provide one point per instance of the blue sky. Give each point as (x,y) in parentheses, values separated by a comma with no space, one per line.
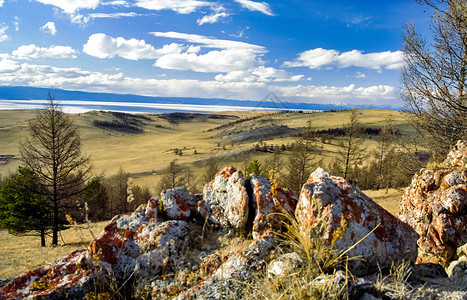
(303,51)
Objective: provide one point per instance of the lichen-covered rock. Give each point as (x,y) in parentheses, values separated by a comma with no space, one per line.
(133,243)
(71,276)
(435,205)
(152,210)
(269,207)
(330,199)
(285,265)
(242,267)
(457,157)
(225,199)
(177,203)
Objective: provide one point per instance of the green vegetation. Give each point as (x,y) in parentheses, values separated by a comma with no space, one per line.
(22,208)
(53,152)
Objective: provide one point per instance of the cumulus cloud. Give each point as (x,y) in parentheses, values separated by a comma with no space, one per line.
(213,18)
(179,6)
(213,61)
(8,66)
(1,3)
(229,55)
(71,6)
(316,58)
(319,57)
(103,46)
(256,6)
(32,51)
(3,35)
(49,27)
(210,42)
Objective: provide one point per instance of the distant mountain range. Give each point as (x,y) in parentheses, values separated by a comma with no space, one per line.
(19,96)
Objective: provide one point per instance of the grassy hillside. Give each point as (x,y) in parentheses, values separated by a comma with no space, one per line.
(144,145)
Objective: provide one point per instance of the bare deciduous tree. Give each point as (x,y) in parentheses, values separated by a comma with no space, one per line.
(53,152)
(301,161)
(351,151)
(434,77)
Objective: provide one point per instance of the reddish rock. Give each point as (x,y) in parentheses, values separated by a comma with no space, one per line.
(225,200)
(68,276)
(333,200)
(177,203)
(135,242)
(435,205)
(152,210)
(269,208)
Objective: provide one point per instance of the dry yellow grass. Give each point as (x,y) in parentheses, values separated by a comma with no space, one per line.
(19,254)
(389,201)
(140,154)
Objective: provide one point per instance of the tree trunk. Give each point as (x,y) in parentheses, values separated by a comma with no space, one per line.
(55,221)
(42,237)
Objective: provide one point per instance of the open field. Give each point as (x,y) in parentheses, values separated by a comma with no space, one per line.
(228,135)
(19,254)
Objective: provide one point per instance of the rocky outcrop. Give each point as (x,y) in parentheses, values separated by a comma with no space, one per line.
(225,199)
(354,222)
(435,205)
(177,247)
(269,206)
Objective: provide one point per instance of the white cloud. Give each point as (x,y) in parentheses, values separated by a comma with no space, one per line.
(379,94)
(71,6)
(214,61)
(79,18)
(16,23)
(179,6)
(230,55)
(3,35)
(32,51)
(49,27)
(259,74)
(256,6)
(213,18)
(104,46)
(8,65)
(113,15)
(319,57)
(210,42)
(1,3)
(360,75)
(117,3)
(26,74)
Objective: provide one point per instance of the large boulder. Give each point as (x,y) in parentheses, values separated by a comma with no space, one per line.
(269,206)
(372,233)
(225,199)
(177,203)
(435,205)
(134,242)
